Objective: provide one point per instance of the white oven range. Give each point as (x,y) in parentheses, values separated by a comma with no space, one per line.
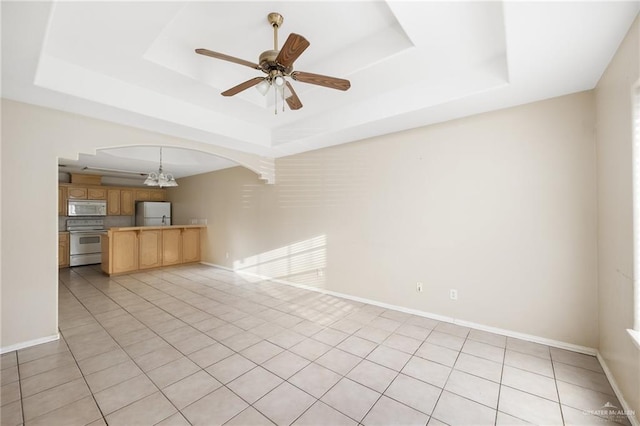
(84,238)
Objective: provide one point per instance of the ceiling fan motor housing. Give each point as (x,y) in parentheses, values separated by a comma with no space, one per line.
(267,61)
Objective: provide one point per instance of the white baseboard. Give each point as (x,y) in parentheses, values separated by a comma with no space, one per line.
(612,381)
(29,343)
(509,333)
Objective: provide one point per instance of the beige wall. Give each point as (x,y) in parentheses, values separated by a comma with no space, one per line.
(29,290)
(500,206)
(32,140)
(615,215)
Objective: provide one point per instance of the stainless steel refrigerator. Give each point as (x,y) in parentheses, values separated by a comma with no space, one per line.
(153,213)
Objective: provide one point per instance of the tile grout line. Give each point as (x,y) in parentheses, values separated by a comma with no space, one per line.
(555,382)
(186,356)
(317,399)
(202,369)
(130,358)
(336,316)
(77,366)
(20,386)
(504,358)
(74,357)
(136,318)
(446,381)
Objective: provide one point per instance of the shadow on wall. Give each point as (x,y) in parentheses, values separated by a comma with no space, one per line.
(302,262)
(315,179)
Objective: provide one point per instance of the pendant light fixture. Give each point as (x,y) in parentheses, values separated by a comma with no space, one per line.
(160,178)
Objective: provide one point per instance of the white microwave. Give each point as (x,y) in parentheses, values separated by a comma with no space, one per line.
(87,208)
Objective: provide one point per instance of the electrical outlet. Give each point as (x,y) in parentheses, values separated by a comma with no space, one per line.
(453,294)
(419,287)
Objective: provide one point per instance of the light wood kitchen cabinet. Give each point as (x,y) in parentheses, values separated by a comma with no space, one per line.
(151,248)
(82,179)
(190,245)
(171,247)
(78,193)
(144,247)
(151,194)
(120,202)
(96,193)
(122,252)
(127,203)
(143,195)
(113,202)
(63,249)
(62,200)
(158,195)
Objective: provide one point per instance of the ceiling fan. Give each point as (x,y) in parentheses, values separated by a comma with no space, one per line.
(278,64)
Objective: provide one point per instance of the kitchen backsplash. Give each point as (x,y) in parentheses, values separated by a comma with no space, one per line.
(115,221)
(109,221)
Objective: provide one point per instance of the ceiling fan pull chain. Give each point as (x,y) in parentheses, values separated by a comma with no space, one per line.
(275,94)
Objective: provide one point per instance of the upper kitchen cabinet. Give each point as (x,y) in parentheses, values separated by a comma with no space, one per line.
(158,195)
(143,195)
(120,202)
(96,193)
(127,203)
(151,194)
(82,179)
(87,193)
(78,193)
(113,202)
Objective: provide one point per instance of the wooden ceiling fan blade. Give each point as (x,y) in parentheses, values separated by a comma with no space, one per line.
(292,49)
(228,58)
(293,100)
(321,80)
(242,86)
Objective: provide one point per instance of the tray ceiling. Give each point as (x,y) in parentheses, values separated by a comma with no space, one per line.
(410,63)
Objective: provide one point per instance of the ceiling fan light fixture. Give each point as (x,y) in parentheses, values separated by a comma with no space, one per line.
(263,87)
(279,81)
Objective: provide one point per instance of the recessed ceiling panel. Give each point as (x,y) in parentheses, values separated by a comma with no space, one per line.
(345,37)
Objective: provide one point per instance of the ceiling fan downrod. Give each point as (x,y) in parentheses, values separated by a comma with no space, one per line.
(275,19)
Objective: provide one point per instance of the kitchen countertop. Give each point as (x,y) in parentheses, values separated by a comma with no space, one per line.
(149,228)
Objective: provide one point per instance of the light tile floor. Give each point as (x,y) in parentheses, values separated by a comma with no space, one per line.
(203,346)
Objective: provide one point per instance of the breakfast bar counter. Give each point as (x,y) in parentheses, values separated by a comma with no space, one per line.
(135,248)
